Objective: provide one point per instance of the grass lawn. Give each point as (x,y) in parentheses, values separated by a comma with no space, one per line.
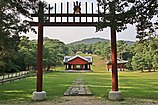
(133,85)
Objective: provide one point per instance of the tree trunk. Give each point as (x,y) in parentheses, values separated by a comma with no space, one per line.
(154,69)
(28,67)
(48,68)
(142,70)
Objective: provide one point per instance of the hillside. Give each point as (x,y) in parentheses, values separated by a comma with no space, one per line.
(89,41)
(130,42)
(95,40)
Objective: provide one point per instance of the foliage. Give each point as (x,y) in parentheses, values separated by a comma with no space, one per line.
(102,49)
(145,55)
(27,51)
(138,62)
(16,53)
(8,52)
(138,12)
(11,25)
(54,52)
(24,56)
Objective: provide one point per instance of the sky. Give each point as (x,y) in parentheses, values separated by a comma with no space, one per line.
(72,34)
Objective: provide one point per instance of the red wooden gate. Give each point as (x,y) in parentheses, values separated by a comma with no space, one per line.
(49,18)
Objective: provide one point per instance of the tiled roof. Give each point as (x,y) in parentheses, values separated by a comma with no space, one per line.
(119,61)
(69,58)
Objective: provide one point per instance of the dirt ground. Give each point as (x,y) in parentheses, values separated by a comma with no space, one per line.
(91,100)
(73,100)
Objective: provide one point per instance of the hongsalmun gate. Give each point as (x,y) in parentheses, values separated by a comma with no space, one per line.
(75,15)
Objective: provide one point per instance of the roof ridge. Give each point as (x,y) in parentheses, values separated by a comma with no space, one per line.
(76,57)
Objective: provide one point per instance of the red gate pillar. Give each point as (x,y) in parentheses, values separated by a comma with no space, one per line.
(114,94)
(114,60)
(40,54)
(39,94)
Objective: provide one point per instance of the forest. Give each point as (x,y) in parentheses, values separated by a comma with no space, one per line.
(21,54)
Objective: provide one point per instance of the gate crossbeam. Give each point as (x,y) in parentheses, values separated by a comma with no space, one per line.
(89,19)
(68,15)
(65,24)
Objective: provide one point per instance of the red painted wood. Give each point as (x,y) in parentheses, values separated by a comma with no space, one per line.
(68,24)
(114,60)
(120,66)
(69,15)
(78,61)
(40,49)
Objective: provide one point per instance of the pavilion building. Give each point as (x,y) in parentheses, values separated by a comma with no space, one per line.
(120,65)
(78,62)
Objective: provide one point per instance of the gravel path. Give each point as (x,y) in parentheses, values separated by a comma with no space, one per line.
(90,100)
(74,100)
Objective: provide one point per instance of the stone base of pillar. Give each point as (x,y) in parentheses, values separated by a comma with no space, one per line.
(39,95)
(115,95)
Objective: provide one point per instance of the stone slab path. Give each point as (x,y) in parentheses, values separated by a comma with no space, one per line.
(78,89)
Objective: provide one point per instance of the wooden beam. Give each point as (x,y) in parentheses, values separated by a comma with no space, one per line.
(68,15)
(65,24)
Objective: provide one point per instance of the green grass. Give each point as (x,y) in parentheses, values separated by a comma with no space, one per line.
(132,84)
(55,84)
(139,85)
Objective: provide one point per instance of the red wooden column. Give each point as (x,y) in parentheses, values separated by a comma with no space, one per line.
(39,94)
(89,67)
(40,49)
(82,67)
(73,67)
(114,94)
(114,60)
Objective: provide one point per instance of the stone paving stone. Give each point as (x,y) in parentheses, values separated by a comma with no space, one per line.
(66,93)
(82,92)
(77,89)
(74,91)
(88,92)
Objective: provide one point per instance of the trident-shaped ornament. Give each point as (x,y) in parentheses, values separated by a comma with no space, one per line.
(77,7)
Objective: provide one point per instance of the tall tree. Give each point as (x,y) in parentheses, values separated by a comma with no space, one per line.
(11,25)
(139,12)
(145,55)
(54,51)
(27,52)
(121,48)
